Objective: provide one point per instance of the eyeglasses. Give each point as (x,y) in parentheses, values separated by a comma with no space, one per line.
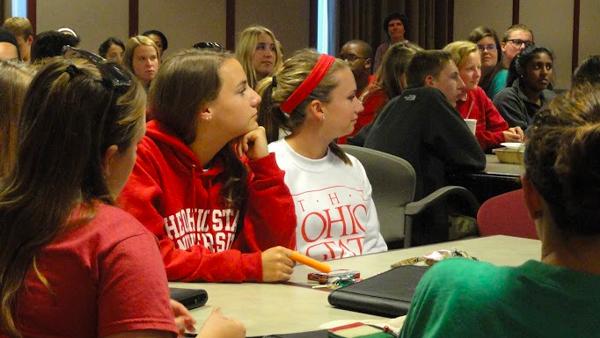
(209,45)
(351,57)
(112,76)
(519,42)
(491,47)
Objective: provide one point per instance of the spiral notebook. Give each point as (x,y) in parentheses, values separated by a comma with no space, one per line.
(387,294)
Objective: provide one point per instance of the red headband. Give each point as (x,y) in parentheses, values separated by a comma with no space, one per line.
(309,84)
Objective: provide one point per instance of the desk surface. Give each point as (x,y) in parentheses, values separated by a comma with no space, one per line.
(295,307)
(495,167)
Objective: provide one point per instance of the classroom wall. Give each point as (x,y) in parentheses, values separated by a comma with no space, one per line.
(551,21)
(184,22)
(93,20)
(290,24)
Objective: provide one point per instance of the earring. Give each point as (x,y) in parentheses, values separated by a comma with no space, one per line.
(207,117)
(323,117)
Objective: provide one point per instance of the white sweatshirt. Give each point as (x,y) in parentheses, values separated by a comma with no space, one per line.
(336,216)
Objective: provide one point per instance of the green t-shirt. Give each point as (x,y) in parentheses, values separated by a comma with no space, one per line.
(498,83)
(464,298)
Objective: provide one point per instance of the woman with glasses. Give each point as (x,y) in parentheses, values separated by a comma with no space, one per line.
(204,182)
(491,129)
(335,213)
(530,75)
(558,295)
(515,39)
(72,264)
(259,52)
(489,47)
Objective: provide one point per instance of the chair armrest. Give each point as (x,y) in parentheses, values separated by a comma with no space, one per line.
(416,207)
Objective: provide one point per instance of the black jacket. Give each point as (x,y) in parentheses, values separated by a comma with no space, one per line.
(421,127)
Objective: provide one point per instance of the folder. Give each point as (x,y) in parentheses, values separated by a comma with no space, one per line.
(387,294)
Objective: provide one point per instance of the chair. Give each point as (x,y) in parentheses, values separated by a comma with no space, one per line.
(393,180)
(506,214)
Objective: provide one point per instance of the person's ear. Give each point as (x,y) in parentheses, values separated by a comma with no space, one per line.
(533,199)
(109,157)
(29,40)
(502,46)
(316,109)
(429,81)
(368,64)
(206,113)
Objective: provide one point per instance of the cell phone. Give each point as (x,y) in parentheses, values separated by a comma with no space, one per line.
(190,298)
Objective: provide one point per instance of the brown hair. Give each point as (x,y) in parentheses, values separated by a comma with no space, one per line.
(187,81)
(425,63)
(517,27)
(14,80)
(561,160)
(393,66)
(291,75)
(69,118)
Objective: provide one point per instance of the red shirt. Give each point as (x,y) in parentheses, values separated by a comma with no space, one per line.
(490,123)
(373,101)
(178,201)
(105,277)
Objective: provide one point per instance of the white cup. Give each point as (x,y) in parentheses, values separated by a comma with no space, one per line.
(471,123)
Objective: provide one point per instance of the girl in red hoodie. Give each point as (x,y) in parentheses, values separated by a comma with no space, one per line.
(204,182)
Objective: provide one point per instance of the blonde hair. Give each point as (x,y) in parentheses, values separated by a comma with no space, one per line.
(292,74)
(14,81)
(20,27)
(134,43)
(246,46)
(459,50)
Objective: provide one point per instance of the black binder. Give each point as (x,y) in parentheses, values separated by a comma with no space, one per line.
(190,298)
(387,294)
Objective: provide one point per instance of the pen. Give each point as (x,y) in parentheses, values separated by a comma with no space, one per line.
(313,263)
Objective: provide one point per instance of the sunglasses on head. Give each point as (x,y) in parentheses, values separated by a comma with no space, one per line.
(112,76)
(209,45)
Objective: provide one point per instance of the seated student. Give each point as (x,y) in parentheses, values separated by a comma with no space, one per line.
(259,52)
(23,31)
(204,182)
(72,264)
(389,82)
(14,81)
(9,49)
(112,49)
(142,57)
(587,72)
(491,58)
(423,127)
(559,296)
(159,39)
(491,129)
(515,40)
(335,213)
(530,74)
(50,44)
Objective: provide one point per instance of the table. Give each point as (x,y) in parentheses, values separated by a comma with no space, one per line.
(295,307)
(495,179)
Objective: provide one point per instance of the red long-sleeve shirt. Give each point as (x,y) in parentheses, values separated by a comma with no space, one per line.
(490,123)
(180,202)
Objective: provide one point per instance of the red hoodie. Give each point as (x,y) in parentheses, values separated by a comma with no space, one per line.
(170,193)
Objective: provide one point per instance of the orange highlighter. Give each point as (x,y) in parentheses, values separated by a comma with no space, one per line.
(313,263)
